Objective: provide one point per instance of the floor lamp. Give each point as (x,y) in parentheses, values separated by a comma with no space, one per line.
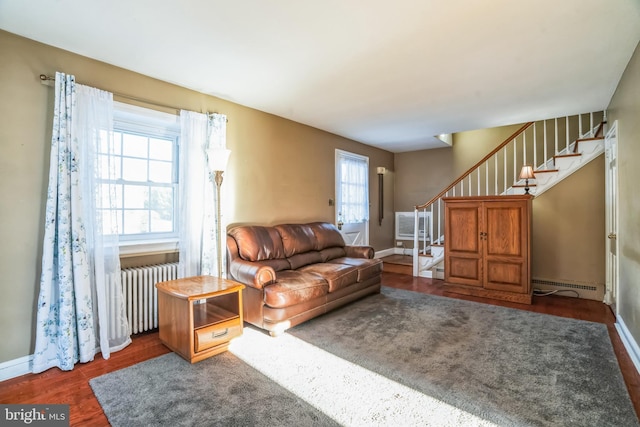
(217,158)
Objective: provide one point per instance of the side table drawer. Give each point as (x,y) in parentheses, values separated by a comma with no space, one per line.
(211,336)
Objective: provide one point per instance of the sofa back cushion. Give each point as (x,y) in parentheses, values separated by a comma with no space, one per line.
(332,253)
(326,235)
(258,243)
(296,238)
(300,260)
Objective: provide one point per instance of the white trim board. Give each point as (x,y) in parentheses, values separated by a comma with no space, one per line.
(393,251)
(629,342)
(385,252)
(16,367)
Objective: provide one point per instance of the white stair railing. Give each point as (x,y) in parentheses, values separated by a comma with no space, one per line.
(498,172)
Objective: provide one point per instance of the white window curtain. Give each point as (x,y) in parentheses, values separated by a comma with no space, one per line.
(80,307)
(198,252)
(353,188)
(193,187)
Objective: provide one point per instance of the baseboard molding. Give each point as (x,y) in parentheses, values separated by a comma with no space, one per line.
(385,252)
(629,342)
(16,367)
(403,251)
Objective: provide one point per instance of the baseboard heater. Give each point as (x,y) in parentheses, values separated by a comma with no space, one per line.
(141,296)
(564,285)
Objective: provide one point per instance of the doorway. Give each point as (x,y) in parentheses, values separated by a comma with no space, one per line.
(352,197)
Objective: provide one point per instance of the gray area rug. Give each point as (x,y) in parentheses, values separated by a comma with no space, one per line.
(416,359)
(219,391)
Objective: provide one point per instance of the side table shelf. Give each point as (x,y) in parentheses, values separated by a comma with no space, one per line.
(198,316)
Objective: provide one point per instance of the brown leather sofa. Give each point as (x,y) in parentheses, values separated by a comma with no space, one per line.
(294,272)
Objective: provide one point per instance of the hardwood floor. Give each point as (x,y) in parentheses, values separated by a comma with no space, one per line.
(55,386)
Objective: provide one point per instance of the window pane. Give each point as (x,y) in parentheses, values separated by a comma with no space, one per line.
(114,199)
(136,221)
(134,170)
(160,149)
(117,143)
(136,196)
(106,225)
(161,200)
(103,168)
(134,145)
(103,144)
(161,221)
(109,171)
(160,172)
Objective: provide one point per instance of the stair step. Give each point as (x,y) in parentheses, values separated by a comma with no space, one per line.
(545,171)
(561,156)
(402,264)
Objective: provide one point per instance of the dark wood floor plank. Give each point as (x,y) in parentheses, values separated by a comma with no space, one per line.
(55,386)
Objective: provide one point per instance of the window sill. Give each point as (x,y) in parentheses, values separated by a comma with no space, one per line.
(148,247)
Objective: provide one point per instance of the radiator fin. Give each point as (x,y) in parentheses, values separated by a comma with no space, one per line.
(141,296)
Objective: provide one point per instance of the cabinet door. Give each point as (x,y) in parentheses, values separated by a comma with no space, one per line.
(506,245)
(463,250)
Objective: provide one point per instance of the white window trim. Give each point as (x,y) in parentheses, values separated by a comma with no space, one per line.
(148,247)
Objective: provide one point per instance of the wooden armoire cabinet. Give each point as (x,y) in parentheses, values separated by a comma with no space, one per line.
(488,246)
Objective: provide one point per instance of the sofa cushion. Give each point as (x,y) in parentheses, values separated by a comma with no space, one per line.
(296,239)
(367,268)
(326,235)
(306,258)
(337,275)
(328,254)
(294,287)
(257,243)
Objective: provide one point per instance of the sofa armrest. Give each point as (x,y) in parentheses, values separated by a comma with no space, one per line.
(359,251)
(251,274)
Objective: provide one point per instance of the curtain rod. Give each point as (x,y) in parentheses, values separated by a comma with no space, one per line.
(48,80)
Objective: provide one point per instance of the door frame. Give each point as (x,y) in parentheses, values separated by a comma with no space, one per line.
(611,218)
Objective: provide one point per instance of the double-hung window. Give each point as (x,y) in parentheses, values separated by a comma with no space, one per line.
(145,156)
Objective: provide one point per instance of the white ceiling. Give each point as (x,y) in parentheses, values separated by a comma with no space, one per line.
(391,74)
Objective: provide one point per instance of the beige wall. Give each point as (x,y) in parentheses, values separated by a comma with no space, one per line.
(625,108)
(420,175)
(568,232)
(471,146)
(279,170)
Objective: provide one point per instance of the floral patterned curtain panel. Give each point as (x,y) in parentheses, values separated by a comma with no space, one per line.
(80,307)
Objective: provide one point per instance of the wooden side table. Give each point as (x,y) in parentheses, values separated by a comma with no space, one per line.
(198,316)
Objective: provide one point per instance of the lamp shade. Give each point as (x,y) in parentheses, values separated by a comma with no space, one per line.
(527,172)
(218,158)
(381,170)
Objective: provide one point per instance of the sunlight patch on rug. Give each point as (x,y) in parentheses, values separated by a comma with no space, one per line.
(346,392)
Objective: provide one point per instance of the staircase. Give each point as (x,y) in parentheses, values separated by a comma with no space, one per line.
(555,149)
